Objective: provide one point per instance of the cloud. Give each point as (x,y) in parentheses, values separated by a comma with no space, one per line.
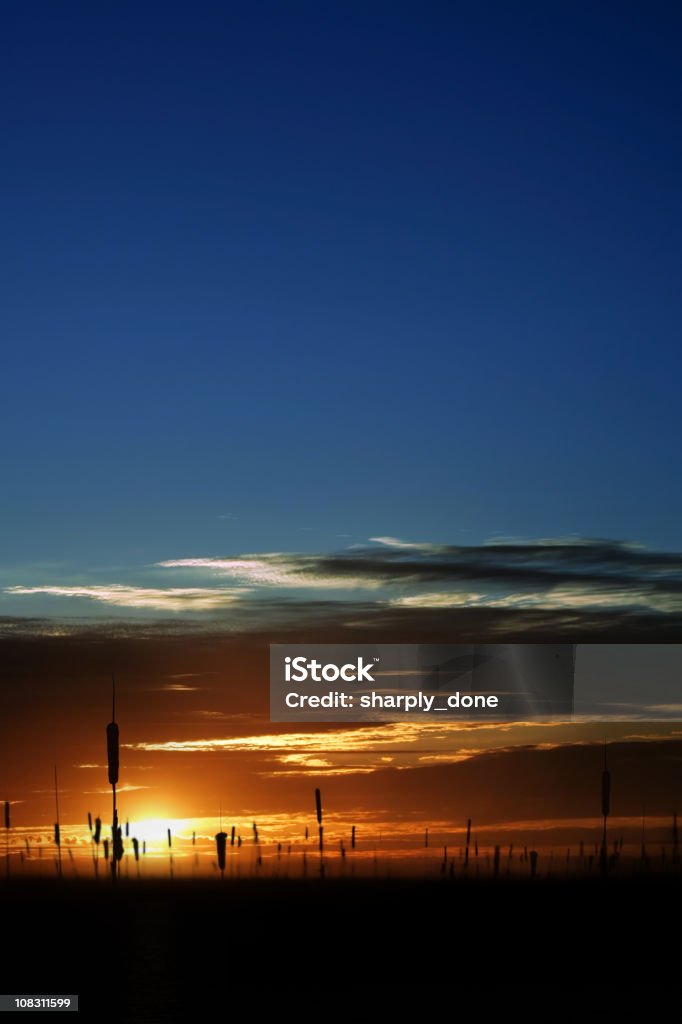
(175,599)
(119,789)
(272,570)
(388,583)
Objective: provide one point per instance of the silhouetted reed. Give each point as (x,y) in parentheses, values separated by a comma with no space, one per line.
(318,812)
(57,832)
(112,768)
(221,847)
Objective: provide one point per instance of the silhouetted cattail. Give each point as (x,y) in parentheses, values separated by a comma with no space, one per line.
(194,839)
(468,831)
(57,836)
(7,814)
(127,828)
(144,847)
(306,833)
(118,844)
(221,846)
(352,838)
(170,842)
(426,838)
(232,835)
(98,830)
(255,832)
(320,830)
(105,844)
(89,822)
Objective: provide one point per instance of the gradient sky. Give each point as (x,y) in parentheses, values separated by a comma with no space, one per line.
(302,305)
(284,278)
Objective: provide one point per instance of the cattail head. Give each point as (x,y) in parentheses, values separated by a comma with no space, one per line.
(89,821)
(127,827)
(57,835)
(221,846)
(136,848)
(232,835)
(118,844)
(98,830)
(468,831)
(352,837)
(239,841)
(194,839)
(306,833)
(255,832)
(105,844)
(318,806)
(7,814)
(169,838)
(144,846)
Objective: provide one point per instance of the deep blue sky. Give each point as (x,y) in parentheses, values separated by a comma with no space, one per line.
(412,269)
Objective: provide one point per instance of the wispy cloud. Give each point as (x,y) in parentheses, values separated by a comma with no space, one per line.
(119,789)
(389,581)
(554,574)
(174,599)
(273,570)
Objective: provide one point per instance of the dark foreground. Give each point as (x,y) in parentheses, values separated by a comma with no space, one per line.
(158,951)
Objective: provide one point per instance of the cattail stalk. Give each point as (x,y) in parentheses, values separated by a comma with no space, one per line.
(318,811)
(113,764)
(57,833)
(96,838)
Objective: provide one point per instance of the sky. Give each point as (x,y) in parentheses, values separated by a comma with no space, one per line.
(287,278)
(331,321)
